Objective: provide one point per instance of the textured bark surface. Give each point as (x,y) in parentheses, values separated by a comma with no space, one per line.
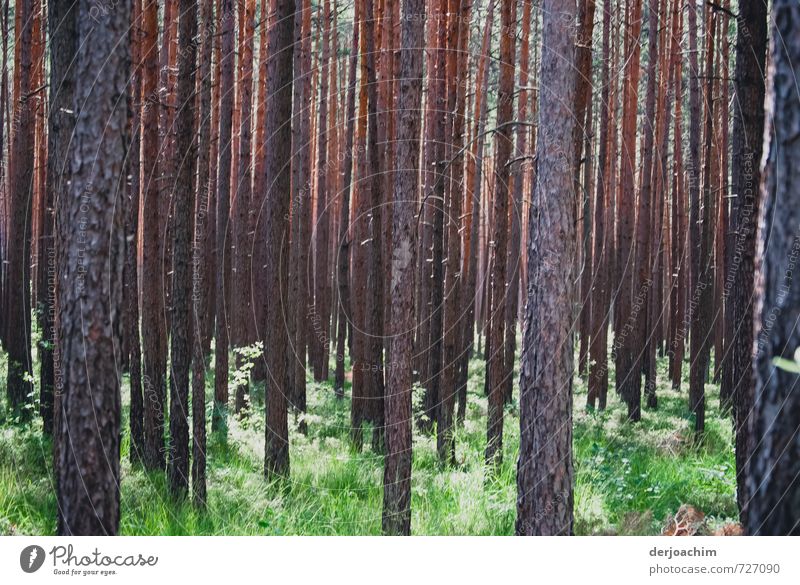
(629,300)
(276,234)
(544,469)
(495,367)
(300,270)
(434,209)
(361,381)
(374,317)
(582,134)
(63,36)
(201,276)
(223,261)
(17,287)
(185,165)
(90,288)
(131,321)
(774,471)
(602,245)
(748,131)
(643,277)
(453,310)
(680,242)
(474,183)
(242,330)
(397,463)
(518,172)
(345,238)
(321,319)
(154,328)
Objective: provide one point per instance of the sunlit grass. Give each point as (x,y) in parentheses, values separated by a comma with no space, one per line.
(628,478)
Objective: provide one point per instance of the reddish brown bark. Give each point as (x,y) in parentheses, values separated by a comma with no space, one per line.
(397,463)
(544,469)
(495,367)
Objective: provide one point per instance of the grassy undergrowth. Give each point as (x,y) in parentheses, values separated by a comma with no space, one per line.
(628,478)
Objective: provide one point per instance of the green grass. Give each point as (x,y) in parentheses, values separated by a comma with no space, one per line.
(628,478)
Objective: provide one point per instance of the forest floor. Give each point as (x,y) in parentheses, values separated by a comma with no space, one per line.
(629,479)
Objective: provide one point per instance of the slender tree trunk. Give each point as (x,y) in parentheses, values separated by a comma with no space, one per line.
(544,469)
(748,129)
(629,300)
(180,351)
(219,418)
(474,185)
(321,317)
(375,274)
(518,171)
(435,196)
(201,269)
(277,182)
(131,272)
(361,381)
(459,14)
(495,370)
(301,199)
(643,271)
(602,243)
(242,205)
(583,96)
(88,470)
(773,475)
(63,35)
(700,341)
(397,464)
(21,183)
(680,255)
(345,238)
(154,332)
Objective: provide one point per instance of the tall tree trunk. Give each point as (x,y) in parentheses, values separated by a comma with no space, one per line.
(544,469)
(773,482)
(223,280)
(628,299)
(374,323)
(435,208)
(643,271)
(301,198)
(474,185)
(700,341)
(184,164)
(518,172)
(397,463)
(748,130)
(201,269)
(455,68)
(242,312)
(695,130)
(680,256)
(63,35)
(154,331)
(321,319)
(496,370)
(360,367)
(88,217)
(131,333)
(345,238)
(21,176)
(602,244)
(277,182)
(583,96)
